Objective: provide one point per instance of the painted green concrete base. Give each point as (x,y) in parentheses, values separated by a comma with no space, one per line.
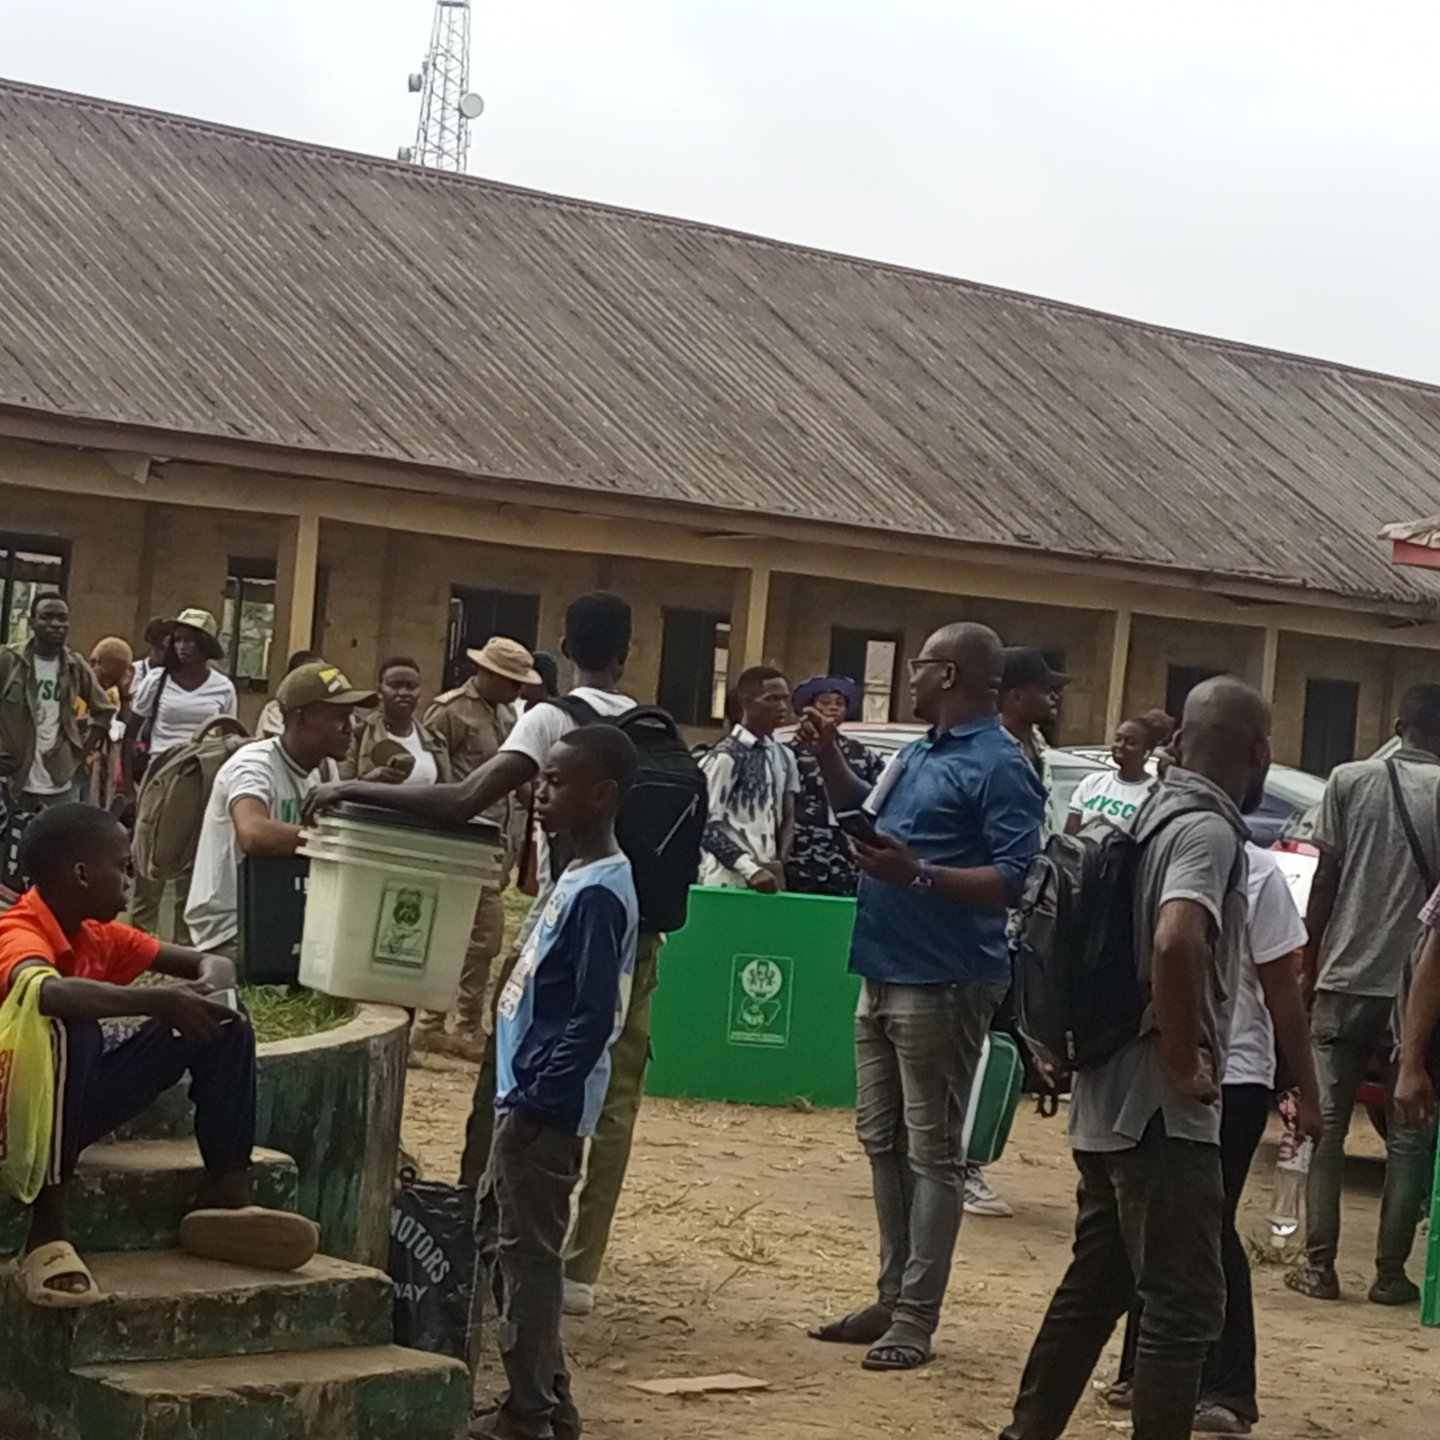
(182,1349)
(165,1305)
(375,1393)
(132,1196)
(333,1101)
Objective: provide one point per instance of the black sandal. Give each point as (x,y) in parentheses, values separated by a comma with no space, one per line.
(860,1327)
(902,1355)
(903,1347)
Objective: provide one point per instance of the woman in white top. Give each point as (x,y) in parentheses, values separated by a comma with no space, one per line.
(171,703)
(175,699)
(392,745)
(1115,795)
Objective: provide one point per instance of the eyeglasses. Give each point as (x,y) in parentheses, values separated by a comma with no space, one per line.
(917,665)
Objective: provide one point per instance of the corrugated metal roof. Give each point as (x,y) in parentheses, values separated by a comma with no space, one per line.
(160,272)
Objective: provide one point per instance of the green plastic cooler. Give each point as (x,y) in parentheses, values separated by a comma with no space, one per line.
(756,1003)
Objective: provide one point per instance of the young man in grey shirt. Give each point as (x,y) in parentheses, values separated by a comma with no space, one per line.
(1363,919)
(1145,1126)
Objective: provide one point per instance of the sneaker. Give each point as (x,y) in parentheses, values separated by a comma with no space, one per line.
(1394,1290)
(981,1199)
(1219,1420)
(579,1298)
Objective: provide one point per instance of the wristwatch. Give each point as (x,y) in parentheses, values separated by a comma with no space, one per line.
(924,877)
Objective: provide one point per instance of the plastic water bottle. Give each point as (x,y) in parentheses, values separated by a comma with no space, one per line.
(1292,1167)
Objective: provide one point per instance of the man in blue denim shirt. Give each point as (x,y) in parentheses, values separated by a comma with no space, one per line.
(958,821)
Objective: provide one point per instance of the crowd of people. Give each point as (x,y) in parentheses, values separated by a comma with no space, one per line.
(1240,992)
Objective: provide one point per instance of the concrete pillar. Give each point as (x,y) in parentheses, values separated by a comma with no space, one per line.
(1269,658)
(1115,672)
(777,625)
(296,567)
(749,611)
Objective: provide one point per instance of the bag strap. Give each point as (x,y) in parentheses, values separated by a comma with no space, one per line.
(582,712)
(147,729)
(1412,838)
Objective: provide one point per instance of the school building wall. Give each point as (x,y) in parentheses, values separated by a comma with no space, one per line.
(138,548)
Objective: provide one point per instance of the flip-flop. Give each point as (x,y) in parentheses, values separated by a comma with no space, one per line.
(254,1236)
(49,1262)
(860,1327)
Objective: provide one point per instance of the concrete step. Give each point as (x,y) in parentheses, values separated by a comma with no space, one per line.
(132,1194)
(377,1392)
(164,1304)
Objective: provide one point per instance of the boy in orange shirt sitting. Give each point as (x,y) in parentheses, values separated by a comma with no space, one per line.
(77,859)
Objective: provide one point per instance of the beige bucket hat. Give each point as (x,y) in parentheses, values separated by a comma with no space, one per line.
(508,658)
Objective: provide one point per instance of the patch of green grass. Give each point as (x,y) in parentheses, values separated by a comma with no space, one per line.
(283,1012)
(517,907)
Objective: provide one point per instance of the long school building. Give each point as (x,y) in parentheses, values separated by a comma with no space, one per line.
(355,405)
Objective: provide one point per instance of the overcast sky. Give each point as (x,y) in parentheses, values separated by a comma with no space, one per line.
(1267,170)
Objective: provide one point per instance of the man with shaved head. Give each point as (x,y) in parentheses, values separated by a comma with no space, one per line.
(942,841)
(1145,1125)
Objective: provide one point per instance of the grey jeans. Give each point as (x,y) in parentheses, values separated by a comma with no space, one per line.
(917,1048)
(1346,1031)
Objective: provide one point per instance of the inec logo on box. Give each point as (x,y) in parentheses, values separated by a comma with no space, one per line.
(760,999)
(402,934)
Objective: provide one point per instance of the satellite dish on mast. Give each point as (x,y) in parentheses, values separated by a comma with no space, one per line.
(471,105)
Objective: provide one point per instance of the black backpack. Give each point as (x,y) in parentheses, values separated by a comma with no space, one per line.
(1079,997)
(660,824)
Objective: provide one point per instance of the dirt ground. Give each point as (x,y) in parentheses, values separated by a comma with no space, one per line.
(740,1226)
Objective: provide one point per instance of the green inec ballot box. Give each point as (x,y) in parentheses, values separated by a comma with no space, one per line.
(756,1004)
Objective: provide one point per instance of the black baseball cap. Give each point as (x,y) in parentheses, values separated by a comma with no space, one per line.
(1026,666)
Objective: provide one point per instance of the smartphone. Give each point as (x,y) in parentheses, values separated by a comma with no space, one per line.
(859,825)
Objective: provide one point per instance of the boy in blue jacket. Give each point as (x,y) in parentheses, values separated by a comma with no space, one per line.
(557,1017)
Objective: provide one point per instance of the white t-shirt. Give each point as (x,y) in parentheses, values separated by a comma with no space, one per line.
(182,711)
(1103,793)
(542,725)
(539,728)
(47,723)
(1274,929)
(262,770)
(426,771)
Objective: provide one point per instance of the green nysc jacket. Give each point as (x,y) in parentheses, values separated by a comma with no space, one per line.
(82,703)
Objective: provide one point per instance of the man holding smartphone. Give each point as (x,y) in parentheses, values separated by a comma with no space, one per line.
(942,841)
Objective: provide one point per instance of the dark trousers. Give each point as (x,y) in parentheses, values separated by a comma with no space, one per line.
(1347,1030)
(1149,1224)
(1229,1375)
(97,1090)
(533,1171)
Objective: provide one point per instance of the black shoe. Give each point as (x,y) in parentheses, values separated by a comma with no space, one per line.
(1313,1280)
(1220,1420)
(1394,1290)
